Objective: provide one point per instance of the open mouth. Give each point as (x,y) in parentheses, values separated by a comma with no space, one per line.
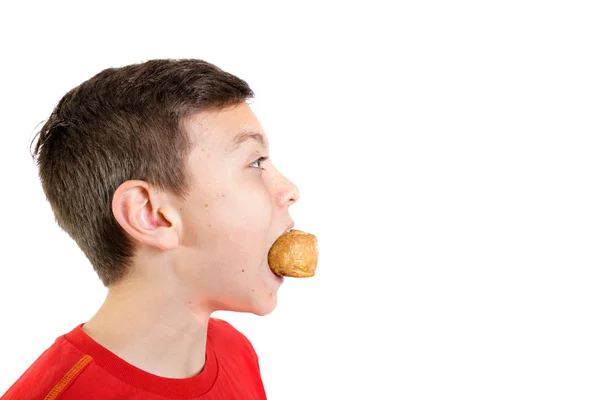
(288,229)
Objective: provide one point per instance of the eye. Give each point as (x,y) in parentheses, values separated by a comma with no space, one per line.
(258,163)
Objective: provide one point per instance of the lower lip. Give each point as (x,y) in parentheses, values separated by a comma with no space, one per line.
(277,277)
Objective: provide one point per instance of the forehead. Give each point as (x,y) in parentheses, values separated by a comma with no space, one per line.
(223,129)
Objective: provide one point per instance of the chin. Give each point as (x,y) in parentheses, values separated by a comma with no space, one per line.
(263,312)
(257,303)
(265,308)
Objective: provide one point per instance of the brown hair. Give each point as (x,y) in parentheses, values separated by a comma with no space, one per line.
(122,124)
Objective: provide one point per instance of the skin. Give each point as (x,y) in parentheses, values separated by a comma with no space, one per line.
(197,255)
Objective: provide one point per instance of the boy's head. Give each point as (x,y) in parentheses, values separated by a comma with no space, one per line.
(159,171)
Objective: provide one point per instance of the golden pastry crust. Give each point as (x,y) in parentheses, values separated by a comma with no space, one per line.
(294,254)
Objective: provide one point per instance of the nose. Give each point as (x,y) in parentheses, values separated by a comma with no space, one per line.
(288,193)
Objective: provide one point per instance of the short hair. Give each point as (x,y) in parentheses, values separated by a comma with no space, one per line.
(122,124)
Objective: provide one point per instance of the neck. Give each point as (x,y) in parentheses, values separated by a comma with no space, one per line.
(152,326)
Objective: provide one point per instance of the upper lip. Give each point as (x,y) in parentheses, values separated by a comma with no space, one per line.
(289,227)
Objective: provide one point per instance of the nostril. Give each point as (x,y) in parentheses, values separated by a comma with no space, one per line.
(295,195)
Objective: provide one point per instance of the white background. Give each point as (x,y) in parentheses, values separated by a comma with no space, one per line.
(447,155)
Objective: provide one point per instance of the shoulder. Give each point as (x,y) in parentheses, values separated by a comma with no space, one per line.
(49,370)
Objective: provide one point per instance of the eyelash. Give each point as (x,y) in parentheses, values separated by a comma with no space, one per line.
(261,159)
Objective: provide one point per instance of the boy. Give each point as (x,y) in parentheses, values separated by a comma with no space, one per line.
(160,172)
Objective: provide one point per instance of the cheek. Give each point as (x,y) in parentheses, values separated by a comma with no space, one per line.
(245,207)
(241,215)
(231,222)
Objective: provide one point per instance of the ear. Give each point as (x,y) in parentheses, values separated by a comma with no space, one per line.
(146,215)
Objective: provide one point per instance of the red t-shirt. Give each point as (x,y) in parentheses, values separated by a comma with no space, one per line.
(76,367)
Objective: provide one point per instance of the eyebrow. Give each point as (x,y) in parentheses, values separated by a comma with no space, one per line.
(245,136)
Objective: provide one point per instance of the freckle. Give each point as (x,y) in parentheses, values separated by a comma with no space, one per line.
(206,206)
(189,302)
(242,270)
(253,290)
(222,195)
